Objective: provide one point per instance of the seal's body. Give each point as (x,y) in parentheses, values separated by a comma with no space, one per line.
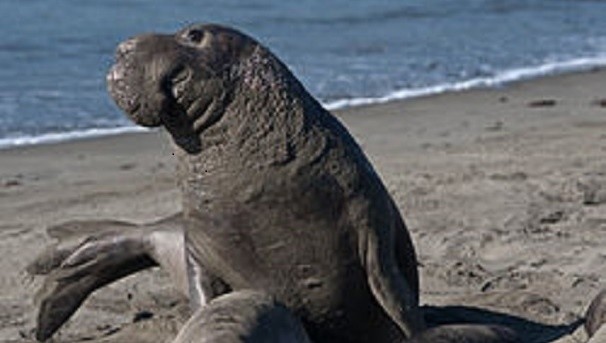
(277,196)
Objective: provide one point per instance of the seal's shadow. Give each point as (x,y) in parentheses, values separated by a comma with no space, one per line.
(532,332)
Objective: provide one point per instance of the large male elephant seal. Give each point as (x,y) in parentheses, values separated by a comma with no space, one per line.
(277,198)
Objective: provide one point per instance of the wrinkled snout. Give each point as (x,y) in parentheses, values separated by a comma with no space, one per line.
(117,77)
(135,81)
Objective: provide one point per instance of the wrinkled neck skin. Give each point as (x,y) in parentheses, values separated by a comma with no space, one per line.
(263,128)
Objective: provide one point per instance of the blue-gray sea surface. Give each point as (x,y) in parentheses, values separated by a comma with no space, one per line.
(54,54)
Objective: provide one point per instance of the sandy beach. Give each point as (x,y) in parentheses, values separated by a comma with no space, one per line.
(503,190)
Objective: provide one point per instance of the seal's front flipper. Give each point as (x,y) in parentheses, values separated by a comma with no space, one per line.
(94,264)
(386,281)
(50,259)
(70,236)
(77,267)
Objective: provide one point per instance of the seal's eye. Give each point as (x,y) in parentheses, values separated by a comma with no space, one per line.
(194,35)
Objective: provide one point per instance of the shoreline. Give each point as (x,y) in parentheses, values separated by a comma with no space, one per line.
(342,106)
(503,191)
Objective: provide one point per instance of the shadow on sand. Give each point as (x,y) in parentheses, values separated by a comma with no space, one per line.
(531,332)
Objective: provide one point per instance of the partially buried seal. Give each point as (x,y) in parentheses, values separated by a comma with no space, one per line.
(278,198)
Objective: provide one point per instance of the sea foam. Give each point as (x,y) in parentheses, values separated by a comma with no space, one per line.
(66,136)
(499,79)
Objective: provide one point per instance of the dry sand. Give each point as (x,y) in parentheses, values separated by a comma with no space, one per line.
(504,192)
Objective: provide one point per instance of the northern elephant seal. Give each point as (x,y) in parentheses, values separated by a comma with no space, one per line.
(277,195)
(277,198)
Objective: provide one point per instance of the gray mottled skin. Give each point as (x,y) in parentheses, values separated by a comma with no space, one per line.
(245,316)
(277,195)
(277,198)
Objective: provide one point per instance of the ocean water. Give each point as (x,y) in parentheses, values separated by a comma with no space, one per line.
(54,54)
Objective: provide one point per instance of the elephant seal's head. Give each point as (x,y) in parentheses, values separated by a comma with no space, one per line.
(182,81)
